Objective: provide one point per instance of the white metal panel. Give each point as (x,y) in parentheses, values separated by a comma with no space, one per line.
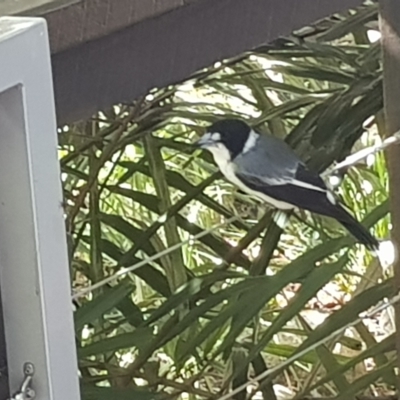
(34,276)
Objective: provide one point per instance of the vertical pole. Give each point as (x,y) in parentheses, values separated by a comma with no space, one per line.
(34,276)
(390,29)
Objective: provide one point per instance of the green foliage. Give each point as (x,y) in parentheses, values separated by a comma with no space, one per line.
(197,321)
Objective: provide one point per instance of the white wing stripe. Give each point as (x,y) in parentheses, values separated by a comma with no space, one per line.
(329,195)
(305,185)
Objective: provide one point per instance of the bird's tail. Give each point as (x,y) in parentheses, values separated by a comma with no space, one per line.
(358,231)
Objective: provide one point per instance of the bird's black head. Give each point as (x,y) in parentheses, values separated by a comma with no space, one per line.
(231,133)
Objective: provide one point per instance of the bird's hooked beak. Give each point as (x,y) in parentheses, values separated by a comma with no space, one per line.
(205,141)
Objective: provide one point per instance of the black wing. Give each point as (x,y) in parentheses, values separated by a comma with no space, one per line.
(308,191)
(303,174)
(304,190)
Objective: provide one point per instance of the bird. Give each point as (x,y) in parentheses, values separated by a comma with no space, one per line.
(267,168)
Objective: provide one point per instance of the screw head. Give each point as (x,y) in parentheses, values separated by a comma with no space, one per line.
(29,369)
(30,394)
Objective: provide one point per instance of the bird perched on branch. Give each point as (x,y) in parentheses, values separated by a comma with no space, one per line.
(267,168)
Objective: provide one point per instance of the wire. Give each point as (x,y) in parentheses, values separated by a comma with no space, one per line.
(296,356)
(349,161)
(147,260)
(364,153)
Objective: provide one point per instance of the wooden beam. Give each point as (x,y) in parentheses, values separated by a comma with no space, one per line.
(159,51)
(72,22)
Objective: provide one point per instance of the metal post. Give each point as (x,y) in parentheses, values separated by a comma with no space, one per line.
(34,277)
(390,29)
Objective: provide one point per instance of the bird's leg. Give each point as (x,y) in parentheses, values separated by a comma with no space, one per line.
(281,219)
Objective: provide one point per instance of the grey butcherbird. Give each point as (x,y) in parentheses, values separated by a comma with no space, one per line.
(266,167)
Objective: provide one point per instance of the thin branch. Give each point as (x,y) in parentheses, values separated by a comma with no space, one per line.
(105,155)
(300,354)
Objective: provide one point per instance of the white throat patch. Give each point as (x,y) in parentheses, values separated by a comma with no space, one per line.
(220,153)
(251,141)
